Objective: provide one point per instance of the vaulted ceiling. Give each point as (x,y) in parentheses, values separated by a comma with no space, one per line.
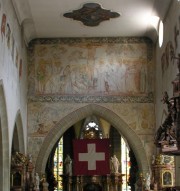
(45,18)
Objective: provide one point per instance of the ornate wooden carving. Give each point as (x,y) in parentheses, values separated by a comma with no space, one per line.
(21,172)
(168,135)
(163,173)
(91,14)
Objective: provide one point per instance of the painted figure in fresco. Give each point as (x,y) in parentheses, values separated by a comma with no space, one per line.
(68,165)
(115,163)
(132,79)
(66,86)
(143,79)
(3,25)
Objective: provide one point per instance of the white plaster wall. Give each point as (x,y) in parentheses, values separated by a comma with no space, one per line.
(15,87)
(164,83)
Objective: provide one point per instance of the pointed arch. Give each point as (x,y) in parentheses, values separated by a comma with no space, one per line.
(92,109)
(18,135)
(4,143)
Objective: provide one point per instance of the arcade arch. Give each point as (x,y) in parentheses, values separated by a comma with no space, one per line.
(92,109)
(18,137)
(4,142)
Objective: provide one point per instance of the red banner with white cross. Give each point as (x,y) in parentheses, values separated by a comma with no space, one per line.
(91,157)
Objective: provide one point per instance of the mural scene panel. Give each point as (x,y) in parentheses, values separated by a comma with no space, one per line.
(86,68)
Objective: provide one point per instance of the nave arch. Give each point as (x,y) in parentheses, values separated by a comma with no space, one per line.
(18,134)
(4,142)
(92,109)
(5,153)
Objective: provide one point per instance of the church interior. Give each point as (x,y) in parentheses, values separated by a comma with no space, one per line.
(101,77)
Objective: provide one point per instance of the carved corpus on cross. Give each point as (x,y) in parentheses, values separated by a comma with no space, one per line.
(92,156)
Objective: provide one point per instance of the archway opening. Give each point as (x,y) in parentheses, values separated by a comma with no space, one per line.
(15,141)
(91,127)
(18,170)
(1,159)
(76,117)
(4,143)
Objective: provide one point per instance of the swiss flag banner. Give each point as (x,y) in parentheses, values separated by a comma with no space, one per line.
(91,157)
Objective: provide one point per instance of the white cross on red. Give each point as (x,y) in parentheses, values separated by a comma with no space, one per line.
(92,156)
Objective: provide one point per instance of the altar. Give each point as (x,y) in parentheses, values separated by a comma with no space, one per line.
(108,182)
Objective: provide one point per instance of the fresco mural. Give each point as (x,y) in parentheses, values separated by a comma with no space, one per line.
(166,58)
(87,68)
(34,144)
(140,117)
(114,72)
(44,116)
(7,34)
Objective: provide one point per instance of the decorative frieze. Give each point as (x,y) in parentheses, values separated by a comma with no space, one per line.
(93,99)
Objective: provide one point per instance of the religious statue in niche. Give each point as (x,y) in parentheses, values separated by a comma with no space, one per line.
(147,181)
(115,164)
(37,182)
(68,165)
(43,183)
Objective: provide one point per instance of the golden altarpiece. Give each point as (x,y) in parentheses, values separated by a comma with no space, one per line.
(22,170)
(163,172)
